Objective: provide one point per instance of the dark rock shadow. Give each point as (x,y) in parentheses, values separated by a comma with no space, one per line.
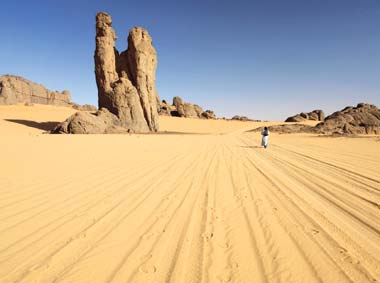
(46,126)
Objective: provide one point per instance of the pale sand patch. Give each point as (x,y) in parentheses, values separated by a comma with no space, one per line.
(185,208)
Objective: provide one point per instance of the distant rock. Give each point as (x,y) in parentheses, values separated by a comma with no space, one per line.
(179,108)
(315,115)
(14,89)
(362,119)
(208,114)
(243,118)
(101,122)
(240,118)
(126,81)
(85,107)
(187,110)
(167,109)
(287,129)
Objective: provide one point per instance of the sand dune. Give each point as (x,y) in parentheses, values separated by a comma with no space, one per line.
(209,207)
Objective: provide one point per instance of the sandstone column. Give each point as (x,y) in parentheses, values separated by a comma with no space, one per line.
(126,82)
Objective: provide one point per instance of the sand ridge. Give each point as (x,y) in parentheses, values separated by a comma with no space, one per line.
(214,207)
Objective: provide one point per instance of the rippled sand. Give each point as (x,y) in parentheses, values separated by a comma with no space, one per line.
(207,207)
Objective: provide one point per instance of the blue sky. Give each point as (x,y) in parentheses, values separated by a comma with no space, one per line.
(264,59)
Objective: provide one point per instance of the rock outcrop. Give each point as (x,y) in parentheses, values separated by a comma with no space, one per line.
(240,118)
(208,114)
(127,96)
(84,107)
(167,109)
(187,110)
(315,115)
(14,89)
(180,108)
(287,129)
(126,81)
(362,119)
(100,122)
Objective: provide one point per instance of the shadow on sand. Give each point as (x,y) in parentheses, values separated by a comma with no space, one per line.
(46,126)
(251,146)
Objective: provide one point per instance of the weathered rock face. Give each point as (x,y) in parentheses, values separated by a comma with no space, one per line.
(179,108)
(362,119)
(208,114)
(101,122)
(167,109)
(126,81)
(315,115)
(14,89)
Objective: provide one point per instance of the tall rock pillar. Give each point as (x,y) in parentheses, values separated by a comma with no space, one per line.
(126,82)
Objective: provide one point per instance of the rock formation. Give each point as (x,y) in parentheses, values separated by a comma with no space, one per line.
(287,129)
(167,109)
(14,89)
(126,81)
(315,115)
(208,114)
(84,107)
(240,118)
(101,122)
(179,108)
(362,119)
(187,110)
(127,96)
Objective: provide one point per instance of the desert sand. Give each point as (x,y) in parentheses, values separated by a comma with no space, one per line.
(203,204)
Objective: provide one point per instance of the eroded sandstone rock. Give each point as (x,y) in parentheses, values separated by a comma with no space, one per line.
(167,109)
(287,129)
(100,122)
(15,89)
(362,119)
(208,114)
(315,115)
(126,81)
(84,107)
(241,118)
(180,108)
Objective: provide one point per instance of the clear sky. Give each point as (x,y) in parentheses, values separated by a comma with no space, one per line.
(265,59)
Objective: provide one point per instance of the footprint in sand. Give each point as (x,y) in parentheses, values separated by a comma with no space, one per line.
(148,268)
(224,245)
(314,231)
(224,276)
(233,265)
